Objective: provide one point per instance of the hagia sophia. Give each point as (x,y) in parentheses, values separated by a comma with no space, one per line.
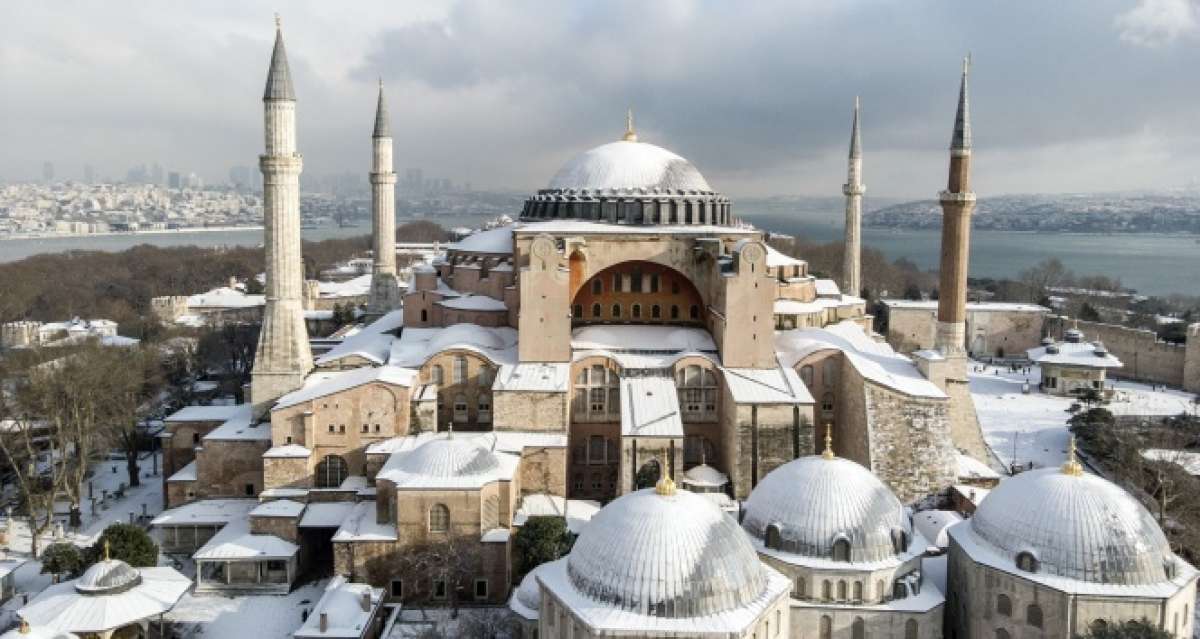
(737,451)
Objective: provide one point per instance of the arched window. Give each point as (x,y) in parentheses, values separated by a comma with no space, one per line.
(460,369)
(910,629)
(616,311)
(595,311)
(806,375)
(331,472)
(656,312)
(636,311)
(485,407)
(435,375)
(1033,615)
(827,403)
(774,539)
(597,286)
(597,394)
(841,593)
(827,590)
(1027,562)
(439,518)
(1001,633)
(694,312)
(899,540)
(424,315)
(826,627)
(858,591)
(1004,605)
(577,311)
(858,629)
(841,550)
(674,287)
(654,282)
(801,588)
(674,312)
(460,408)
(697,388)
(828,372)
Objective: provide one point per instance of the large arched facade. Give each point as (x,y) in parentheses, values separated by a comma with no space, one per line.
(634,292)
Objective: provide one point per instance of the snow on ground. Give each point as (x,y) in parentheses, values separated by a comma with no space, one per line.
(260,616)
(1033,427)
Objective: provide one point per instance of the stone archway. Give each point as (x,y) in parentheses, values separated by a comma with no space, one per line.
(634,292)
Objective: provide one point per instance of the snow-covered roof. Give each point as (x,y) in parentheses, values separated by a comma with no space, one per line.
(235,541)
(37,632)
(205,413)
(816,501)
(577,512)
(416,345)
(448,463)
(1080,354)
(704,476)
(1188,461)
(506,441)
(766,386)
(187,473)
(776,259)
(278,508)
(326,514)
(288,451)
(538,377)
(932,525)
(645,548)
(65,608)
(372,343)
(360,525)
(526,599)
(641,338)
(241,426)
(624,165)
(981,307)
(355,287)
(1079,527)
(650,407)
(225,297)
(206,512)
(327,384)
(498,240)
(796,307)
(828,288)
(971,468)
(876,361)
(474,303)
(348,609)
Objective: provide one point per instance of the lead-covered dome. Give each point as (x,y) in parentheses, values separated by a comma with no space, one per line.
(673,556)
(1073,525)
(827,508)
(629,166)
(448,457)
(108,576)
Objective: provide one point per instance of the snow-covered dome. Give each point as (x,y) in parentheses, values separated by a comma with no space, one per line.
(817,502)
(1073,525)
(107,577)
(527,598)
(466,335)
(26,631)
(627,165)
(497,240)
(668,555)
(448,457)
(706,476)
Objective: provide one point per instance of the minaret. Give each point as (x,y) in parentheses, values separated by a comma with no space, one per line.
(385,292)
(853,189)
(957,203)
(283,357)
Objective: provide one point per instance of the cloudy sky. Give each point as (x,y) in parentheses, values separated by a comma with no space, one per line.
(1070,95)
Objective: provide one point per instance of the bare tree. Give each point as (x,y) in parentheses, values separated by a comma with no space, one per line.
(1044,275)
(454,561)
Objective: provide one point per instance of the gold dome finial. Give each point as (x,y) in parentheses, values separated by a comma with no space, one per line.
(828,454)
(630,134)
(24,628)
(1072,466)
(665,486)
(107,551)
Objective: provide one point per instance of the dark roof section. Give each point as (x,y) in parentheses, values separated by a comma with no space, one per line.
(279,78)
(855,136)
(383,123)
(962,120)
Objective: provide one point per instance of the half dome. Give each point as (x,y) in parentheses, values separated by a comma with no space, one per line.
(106,577)
(629,166)
(1077,526)
(672,556)
(810,505)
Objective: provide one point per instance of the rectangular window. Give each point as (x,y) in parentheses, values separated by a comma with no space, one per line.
(439,588)
(249,490)
(596,449)
(654,283)
(636,280)
(481,588)
(616,287)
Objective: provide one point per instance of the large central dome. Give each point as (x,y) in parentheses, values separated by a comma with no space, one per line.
(629,166)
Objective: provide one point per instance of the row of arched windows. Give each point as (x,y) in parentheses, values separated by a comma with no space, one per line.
(1033,612)
(460,371)
(858,628)
(636,312)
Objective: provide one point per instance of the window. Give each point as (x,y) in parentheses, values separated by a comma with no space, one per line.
(597,286)
(858,629)
(1027,562)
(826,627)
(774,539)
(674,288)
(595,311)
(435,375)
(195,438)
(694,312)
(460,369)
(828,372)
(674,312)
(654,283)
(249,490)
(398,588)
(439,588)
(342,429)
(596,449)
(697,388)
(616,283)
(858,591)
(841,590)
(484,377)
(481,588)
(460,408)
(637,311)
(827,590)
(635,279)
(331,472)
(656,312)
(841,550)
(806,376)
(1004,605)
(910,629)
(577,310)
(439,518)
(366,428)
(827,403)
(424,315)
(1033,615)
(801,591)
(485,407)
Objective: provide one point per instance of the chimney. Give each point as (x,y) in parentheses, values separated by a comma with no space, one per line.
(366,600)
(324,622)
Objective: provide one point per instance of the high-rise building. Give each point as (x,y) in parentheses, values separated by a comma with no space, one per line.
(173,180)
(47,171)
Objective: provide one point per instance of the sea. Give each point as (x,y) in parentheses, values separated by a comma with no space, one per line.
(1150,263)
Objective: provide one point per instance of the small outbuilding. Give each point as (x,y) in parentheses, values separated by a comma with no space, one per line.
(1072,366)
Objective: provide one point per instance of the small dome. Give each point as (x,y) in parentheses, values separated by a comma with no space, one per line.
(705,475)
(668,555)
(629,166)
(529,594)
(108,577)
(26,631)
(448,457)
(1077,526)
(465,335)
(816,502)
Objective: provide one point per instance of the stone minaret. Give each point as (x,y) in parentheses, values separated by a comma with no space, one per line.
(957,203)
(283,357)
(854,189)
(385,292)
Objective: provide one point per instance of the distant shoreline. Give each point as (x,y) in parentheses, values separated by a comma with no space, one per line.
(196,229)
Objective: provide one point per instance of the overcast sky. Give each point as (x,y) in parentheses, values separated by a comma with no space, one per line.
(1069,95)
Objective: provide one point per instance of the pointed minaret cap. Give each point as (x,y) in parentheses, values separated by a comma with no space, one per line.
(962,120)
(855,135)
(630,134)
(1072,466)
(828,452)
(383,123)
(279,78)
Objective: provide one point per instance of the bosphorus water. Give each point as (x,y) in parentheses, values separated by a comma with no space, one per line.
(1153,264)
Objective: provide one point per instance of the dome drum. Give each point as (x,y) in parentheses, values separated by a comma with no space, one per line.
(631,208)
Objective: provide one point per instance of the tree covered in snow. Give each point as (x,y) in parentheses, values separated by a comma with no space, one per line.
(1132,629)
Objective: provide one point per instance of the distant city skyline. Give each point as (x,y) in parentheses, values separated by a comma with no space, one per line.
(500,95)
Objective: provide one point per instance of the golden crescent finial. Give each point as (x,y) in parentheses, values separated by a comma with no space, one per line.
(828,453)
(1072,467)
(630,133)
(665,486)
(107,551)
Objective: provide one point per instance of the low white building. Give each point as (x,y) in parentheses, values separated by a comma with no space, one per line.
(1072,366)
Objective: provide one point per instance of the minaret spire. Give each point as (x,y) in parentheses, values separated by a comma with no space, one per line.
(957,204)
(279,77)
(853,189)
(630,133)
(961,140)
(385,289)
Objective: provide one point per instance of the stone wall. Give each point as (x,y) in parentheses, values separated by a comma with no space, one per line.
(230,468)
(1145,357)
(1191,361)
(758,438)
(991,332)
(529,411)
(283,527)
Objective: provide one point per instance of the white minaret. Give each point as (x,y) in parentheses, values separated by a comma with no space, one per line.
(853,189)
(283,357)
(385,292)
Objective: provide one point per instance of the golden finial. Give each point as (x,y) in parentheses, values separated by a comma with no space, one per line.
(24,628)
(278,21)
(630,134)
(665,486)
(828,454)
(107,551)
(967,63)
(1072,467)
